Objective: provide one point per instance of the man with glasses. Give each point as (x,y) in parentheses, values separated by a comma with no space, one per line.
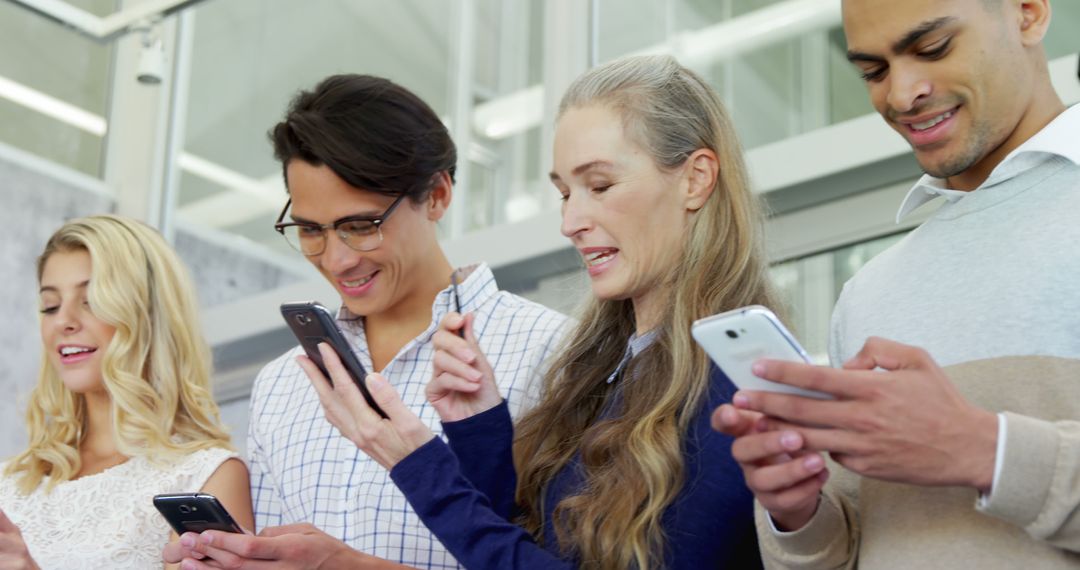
(369,168)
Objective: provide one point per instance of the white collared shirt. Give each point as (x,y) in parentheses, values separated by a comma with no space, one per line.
(1058,138)
(303,470)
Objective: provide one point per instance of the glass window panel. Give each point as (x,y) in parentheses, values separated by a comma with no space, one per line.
(49,58)
(509,58)
(1064,25)
(250,57)
(809,286)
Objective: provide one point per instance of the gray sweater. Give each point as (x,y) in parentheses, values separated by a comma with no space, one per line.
(990,286)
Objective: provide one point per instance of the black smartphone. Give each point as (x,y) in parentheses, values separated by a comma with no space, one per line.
(195,512)
(312,323)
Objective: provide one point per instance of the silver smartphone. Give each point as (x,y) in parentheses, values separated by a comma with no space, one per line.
(736,339)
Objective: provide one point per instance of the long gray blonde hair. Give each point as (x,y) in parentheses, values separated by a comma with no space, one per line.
(633,463)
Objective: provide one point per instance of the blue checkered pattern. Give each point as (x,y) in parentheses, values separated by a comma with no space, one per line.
(303,470)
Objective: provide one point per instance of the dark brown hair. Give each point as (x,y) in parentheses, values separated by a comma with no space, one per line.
(372,132)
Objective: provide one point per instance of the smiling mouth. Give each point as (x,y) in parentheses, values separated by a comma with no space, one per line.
(359,282)
(597,257)
(73,350)
(927,125)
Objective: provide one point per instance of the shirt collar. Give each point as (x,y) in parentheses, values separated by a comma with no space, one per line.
(634,347)
(1058,138)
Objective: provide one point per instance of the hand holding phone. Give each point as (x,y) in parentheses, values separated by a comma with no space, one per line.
(312,324)
(736,339)
(195,512)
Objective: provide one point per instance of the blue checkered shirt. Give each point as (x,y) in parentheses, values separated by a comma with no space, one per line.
(303,470)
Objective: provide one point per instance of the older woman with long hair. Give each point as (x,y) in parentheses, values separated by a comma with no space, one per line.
(122,409)
(617,466)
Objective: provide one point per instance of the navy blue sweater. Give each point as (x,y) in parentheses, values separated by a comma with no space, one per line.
(467,503)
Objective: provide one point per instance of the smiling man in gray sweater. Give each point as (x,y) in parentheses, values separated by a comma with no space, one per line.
(965,454)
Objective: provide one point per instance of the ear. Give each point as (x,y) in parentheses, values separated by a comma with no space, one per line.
(1034,21)
(442,190)
(701,170)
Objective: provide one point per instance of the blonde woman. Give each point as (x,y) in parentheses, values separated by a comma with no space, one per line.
(122,409)
(617,467)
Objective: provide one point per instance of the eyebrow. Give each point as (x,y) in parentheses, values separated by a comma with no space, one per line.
(362,215)
(51,289)
(579,170)
(905,42)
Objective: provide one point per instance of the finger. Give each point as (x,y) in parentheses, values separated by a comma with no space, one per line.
(296,528)
(444,362)
(339,375)
(754,448)
(202,564)
(833,441)
(800,493)
(452,322)
(347,390)
(183,547)
(882,353)
(6,525)
(797,409)
(474,343)
(446,383)
(782,476)
(859,362)
(454,345)
(232,548)
(732,421)
(387,398)
(844,384)
(315,376)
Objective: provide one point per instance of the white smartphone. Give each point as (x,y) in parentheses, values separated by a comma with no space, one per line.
(736,339)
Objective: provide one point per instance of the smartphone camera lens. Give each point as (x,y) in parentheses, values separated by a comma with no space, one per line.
(184,509)
(732,334)
(302,319)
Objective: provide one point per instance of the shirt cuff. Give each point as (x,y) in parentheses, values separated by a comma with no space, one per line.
(999,460)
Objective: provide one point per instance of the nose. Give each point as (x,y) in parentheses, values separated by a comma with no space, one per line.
(575,215)
(337,257)
(67,320)
(907,88)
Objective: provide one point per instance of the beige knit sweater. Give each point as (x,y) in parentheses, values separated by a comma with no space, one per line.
(990,286)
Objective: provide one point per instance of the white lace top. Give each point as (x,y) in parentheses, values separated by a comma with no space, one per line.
(105,520)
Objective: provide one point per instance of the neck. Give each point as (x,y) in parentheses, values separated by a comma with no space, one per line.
(647,311)
(412,314)
(1047,105)
(97,439)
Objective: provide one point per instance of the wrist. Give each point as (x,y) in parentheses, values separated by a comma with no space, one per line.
(981,451)
(792,521)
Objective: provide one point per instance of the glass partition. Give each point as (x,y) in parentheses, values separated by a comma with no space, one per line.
(809,287)
(54,87)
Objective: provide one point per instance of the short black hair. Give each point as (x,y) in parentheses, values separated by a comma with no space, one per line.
(372,132)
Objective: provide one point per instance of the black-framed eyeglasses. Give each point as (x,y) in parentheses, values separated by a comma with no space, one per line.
(362,233)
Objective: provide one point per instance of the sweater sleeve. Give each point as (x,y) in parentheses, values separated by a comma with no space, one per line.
(462,517)
(483,445)
(1039,486)
(828,542)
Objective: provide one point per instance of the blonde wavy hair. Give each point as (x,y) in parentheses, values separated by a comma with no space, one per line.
(156,369)
(633,463)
